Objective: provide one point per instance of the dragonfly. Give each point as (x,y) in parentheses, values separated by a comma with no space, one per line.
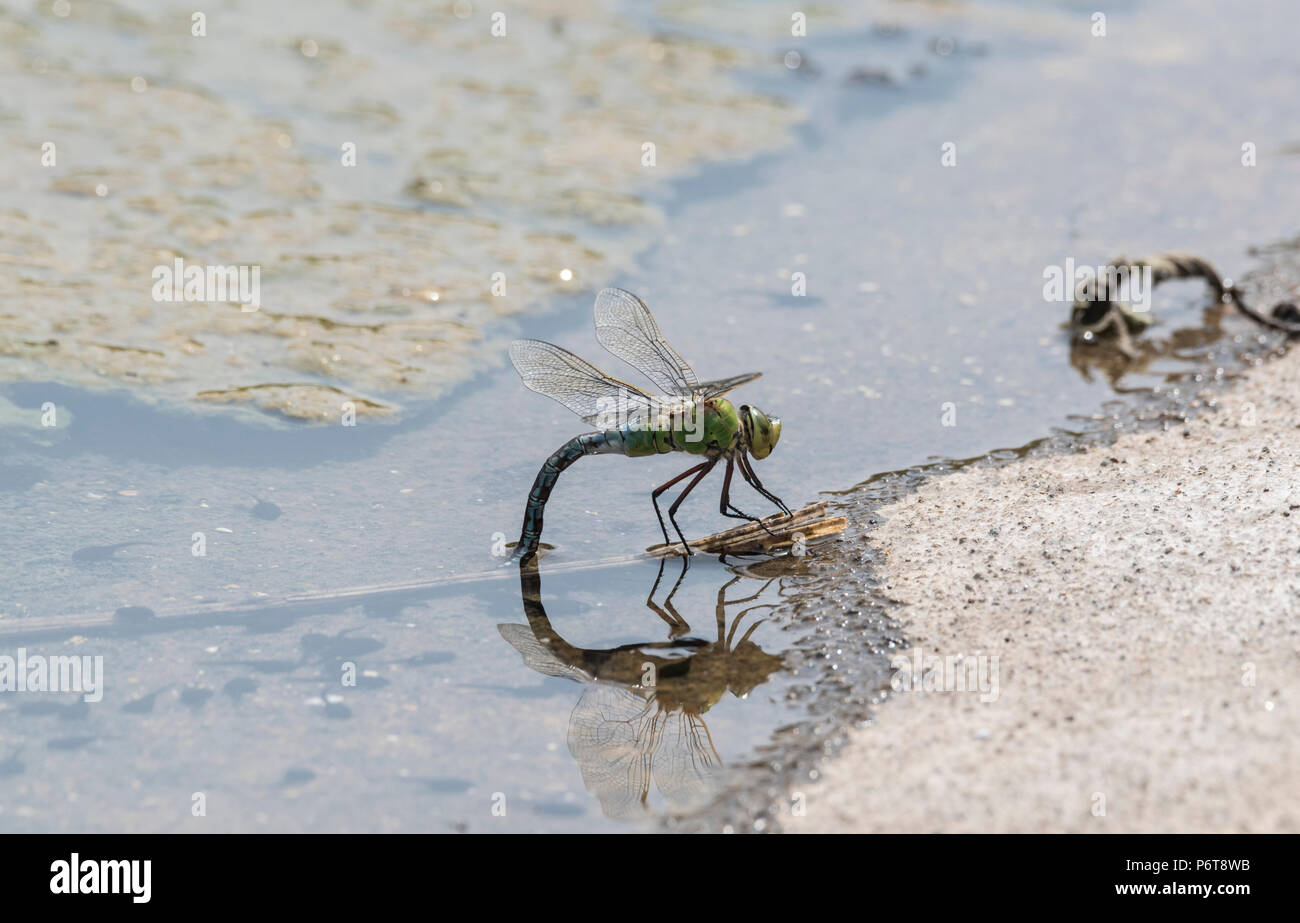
(684,414)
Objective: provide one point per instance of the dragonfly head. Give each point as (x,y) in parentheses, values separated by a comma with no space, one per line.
(761,431)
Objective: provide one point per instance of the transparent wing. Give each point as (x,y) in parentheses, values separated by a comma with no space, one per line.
(577,384)
(625,327)
(613,734)
(686,766)
(537,656)
(707,390)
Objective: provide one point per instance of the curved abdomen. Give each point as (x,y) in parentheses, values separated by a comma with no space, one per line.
(563,457)
(629,439)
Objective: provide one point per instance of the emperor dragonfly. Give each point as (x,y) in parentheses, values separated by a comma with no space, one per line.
(687,415)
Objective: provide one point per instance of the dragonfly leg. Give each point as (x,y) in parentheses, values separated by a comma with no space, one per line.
(654,496)
(747,471)
(725,506)
(672,510)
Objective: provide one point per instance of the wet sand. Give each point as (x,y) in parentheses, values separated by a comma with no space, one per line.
(1141,602)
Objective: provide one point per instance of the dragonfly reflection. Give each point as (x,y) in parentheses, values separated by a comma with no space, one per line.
(640,716)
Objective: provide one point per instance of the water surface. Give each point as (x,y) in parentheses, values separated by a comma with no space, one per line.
(923,289)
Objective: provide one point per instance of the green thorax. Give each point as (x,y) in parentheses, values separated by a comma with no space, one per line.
(708,428)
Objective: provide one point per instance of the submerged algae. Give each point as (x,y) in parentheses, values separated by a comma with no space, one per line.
(404,179)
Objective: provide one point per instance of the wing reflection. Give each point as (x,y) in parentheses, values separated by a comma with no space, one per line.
(639,722)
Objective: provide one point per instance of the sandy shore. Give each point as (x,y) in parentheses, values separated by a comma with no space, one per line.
(1141,604)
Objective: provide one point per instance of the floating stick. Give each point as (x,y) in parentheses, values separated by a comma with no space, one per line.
(810,523)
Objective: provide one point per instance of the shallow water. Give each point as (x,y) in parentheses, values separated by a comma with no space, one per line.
(924,287)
